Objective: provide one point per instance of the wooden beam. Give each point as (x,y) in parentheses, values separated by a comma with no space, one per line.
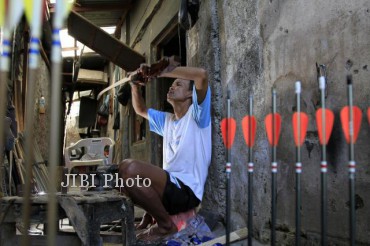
(117,32)
(103,43)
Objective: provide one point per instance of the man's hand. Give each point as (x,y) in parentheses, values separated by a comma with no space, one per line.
(165,65)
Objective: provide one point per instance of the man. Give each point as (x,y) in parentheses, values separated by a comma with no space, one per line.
(179,186)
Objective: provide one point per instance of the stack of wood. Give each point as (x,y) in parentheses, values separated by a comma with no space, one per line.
(39,180)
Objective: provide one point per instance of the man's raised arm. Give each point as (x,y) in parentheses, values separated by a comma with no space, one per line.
(138,101)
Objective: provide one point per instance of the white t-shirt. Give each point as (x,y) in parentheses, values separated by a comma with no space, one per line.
(187,143)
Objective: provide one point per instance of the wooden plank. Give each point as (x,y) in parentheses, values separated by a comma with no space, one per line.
(92,76)
(234,236)
(18,104)
(76,216)
(103,43)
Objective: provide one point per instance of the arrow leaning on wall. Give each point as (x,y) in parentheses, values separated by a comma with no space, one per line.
(249,126)
(62,9)
(300,123)
(34,10)
(273,125)
(228,128)
(325,122)
(351,122)
(10,13)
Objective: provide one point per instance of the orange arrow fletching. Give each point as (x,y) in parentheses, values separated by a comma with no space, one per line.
(303,127)
(246,129)
(269,128)
(368,114)
(228,128)
(344,117)
(329,122)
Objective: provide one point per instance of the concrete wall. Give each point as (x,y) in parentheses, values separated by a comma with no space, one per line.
(275,43)
(248,47)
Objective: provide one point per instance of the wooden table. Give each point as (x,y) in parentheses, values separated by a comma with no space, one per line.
(85,210)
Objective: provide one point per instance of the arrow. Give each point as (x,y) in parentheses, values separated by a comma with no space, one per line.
(272,126)
(368,115)
(351,121)
(324,121)
(300,122)
(34,13)
(249,126)
(62,8)
(8,20)
(228,127)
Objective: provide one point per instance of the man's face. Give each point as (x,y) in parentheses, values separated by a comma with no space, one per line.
(179,91)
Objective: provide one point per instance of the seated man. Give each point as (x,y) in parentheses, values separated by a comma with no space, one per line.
(179,186)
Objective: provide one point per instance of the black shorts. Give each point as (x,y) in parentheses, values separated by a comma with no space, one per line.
(176,200)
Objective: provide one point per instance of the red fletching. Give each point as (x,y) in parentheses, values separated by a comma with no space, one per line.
(344,117)
(368,115)
(228,128)
(329,122)
(303,127)
(246,129)
(269,128)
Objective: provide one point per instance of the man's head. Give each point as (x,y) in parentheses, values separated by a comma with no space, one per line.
(181,90)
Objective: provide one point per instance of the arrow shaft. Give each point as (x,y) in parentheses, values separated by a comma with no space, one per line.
(297,211)
(273,208)
(351,128)
(322,85)
(273,171)
(323,208)
(351,167)
(273,125)
(298,168)
(298,149)
(323,116)
(250,174)
(228,171)
(28,150)
(250,152)
(250,208)
(352,213)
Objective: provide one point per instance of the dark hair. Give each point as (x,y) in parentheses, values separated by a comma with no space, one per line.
(191,84)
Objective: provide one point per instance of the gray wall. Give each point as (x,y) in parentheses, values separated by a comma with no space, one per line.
(248,47)
(275,43)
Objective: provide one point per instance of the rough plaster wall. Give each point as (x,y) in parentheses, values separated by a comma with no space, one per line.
(297,34)
(203,50)
(42,121)
(266,43)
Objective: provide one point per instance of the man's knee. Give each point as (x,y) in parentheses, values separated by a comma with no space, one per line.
(128,168)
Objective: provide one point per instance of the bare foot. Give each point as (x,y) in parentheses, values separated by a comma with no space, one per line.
(145,221)
(155,233)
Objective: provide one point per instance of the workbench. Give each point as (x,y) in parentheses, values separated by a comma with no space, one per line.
(85,210)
